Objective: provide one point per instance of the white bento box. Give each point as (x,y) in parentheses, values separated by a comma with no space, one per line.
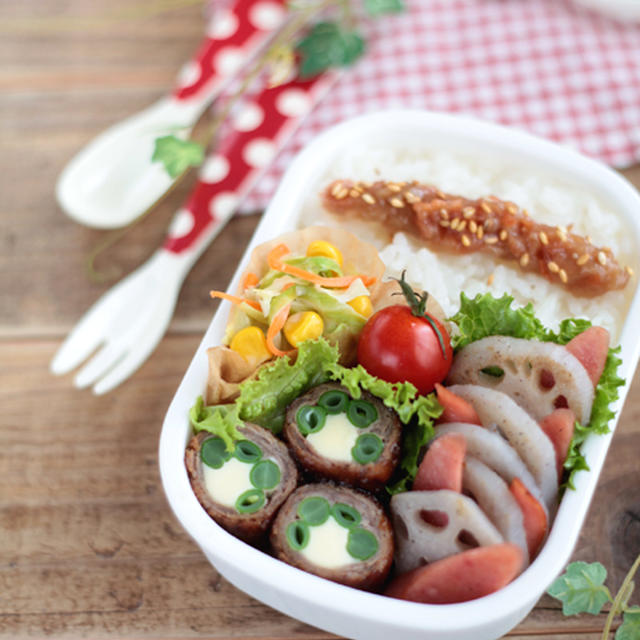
(342,610)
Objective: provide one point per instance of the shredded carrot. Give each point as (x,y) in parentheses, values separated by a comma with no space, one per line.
(288,285)
(250,280)
(234,299)
(275,327)
(274,257)
(275,262)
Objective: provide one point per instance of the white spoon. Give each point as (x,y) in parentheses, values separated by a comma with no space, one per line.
(112,180)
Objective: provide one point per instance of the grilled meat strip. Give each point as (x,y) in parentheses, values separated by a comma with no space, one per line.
(459,225)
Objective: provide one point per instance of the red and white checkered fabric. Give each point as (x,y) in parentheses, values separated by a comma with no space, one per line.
(547,66)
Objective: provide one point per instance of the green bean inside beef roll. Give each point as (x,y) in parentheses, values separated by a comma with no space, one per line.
(337,437)
(241,489)
(335,533)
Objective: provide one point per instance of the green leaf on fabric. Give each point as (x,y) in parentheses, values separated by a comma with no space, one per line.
(380,7)
(328,45)
(177,155)
(581,588)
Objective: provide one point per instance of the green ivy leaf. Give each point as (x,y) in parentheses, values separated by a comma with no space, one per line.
(630,627)
(326,46)
(177,155)
(581,588)
(379,7)
(353,47)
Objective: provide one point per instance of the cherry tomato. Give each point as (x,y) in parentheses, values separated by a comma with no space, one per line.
(397,346)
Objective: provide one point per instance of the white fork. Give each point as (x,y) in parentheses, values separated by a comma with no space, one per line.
(128,321)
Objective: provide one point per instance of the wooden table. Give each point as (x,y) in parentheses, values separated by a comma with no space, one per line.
(89,547)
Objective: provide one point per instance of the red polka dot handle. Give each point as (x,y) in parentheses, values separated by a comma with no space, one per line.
(258,130)
(233,35)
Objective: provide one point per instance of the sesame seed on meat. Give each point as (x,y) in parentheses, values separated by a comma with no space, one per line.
(460,225)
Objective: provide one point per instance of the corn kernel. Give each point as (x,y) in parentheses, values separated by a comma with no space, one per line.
(326,249)
(251,344)
(305,325)
(362,305)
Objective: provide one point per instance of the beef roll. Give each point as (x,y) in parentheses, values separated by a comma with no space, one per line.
(336,533)
(337,437)
(241,489)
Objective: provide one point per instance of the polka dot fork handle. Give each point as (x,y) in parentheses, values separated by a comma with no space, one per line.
(259,129)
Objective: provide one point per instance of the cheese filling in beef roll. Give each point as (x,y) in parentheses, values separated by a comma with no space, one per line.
(337,437)
(241,489)
(335,533)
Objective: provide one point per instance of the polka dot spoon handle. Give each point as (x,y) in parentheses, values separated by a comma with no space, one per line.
(260,129)
(232,37)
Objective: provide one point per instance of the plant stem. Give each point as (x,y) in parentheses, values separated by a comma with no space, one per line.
(620,596)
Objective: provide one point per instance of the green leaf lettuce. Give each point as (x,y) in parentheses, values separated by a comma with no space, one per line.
(264,400)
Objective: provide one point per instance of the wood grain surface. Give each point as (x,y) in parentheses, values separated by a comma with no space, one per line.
(89,547)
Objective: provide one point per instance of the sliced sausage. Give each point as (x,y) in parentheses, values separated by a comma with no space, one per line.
(442,465)
(337,437)
(430,525)
(535,517)
(455,408)
(336,533)
(465,576)
(559,426)
(241,491)
(591,347)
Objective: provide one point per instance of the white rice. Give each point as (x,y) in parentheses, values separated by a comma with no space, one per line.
(445,276)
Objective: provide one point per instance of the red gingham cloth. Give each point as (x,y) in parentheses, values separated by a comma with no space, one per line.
(547,66)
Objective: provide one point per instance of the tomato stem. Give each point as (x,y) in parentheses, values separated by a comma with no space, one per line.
(418,304)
